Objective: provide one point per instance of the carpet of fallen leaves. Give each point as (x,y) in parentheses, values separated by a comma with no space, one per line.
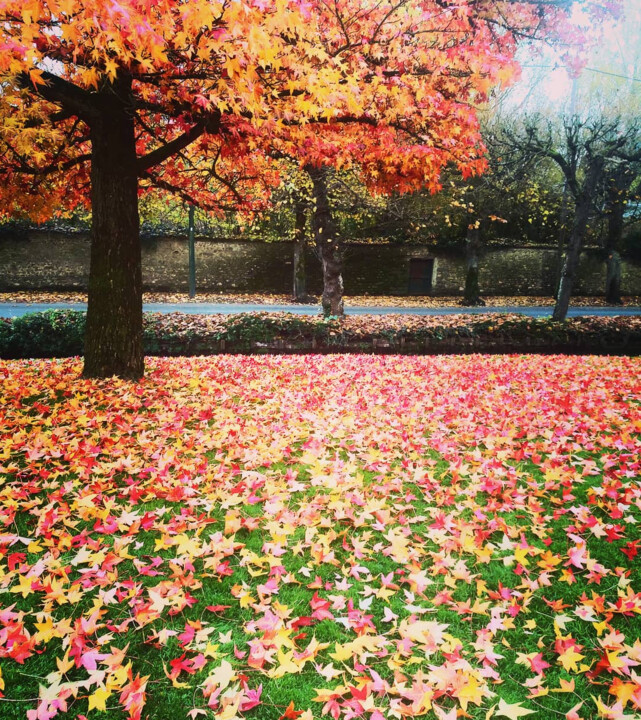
(306,536)
(353,300)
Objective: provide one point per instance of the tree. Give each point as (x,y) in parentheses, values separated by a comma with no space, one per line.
(94,102)
(585,150)
(97,96)
(288,215)
(618,186)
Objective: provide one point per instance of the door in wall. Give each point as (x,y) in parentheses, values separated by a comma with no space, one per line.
(421,273)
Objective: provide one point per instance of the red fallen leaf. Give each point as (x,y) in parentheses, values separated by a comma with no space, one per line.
(224,568)
(217,608)
(290,713)
(15,559)
(252,696)
(361,694)
(147,521)
(189,665)
(601,666)
(615,532)
(19,645)
(556,605)
(631,549)
(303,621)
(133,696)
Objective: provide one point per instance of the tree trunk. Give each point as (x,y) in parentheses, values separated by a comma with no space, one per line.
(472,292)
(332,261)
(583,205)
(617,194)
(300,272)
(613,279)
(561,242)
(328,245)
(113,338)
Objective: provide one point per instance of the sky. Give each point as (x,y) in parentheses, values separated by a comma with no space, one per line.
(612,72)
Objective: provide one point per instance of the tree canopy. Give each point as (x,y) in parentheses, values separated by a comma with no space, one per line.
(96,96)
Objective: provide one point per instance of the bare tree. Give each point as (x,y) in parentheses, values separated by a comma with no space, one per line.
(586,151)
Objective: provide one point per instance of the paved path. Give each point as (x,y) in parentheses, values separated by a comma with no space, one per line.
(19,309)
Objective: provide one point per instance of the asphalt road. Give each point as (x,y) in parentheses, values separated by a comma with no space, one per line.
(9,310)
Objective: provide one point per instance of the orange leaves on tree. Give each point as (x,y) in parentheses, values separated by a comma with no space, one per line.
(378,84)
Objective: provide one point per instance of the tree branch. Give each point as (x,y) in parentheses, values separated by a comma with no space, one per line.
(59,91)
(162,184)
(165,151)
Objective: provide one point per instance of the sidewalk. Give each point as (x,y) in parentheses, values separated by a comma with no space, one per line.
(360,301)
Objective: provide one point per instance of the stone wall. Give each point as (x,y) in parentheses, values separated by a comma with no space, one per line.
(47,260)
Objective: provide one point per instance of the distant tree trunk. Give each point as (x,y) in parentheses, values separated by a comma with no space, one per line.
(328,245)
(613,278)
(113,337)
(472,292)
(583,205)
(617,193)
(300,272)
(561,242)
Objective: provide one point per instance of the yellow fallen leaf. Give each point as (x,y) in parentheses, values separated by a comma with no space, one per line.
(570,658)
(98,700)
(341,653)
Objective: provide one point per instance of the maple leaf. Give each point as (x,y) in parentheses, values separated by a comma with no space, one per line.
(569,659)
(290,713)
(538,664)
(473,691)
(512,710)
(573,713)
(98,699)
(133,696)
(220,678)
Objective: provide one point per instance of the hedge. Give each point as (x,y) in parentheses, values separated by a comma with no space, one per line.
(59,333)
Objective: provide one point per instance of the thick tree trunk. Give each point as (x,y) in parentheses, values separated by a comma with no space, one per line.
(332,261)
(328,245)
(300,272)
(113,339)
(472,292)
(577,235)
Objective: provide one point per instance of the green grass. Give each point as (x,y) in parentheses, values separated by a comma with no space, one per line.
(455,530)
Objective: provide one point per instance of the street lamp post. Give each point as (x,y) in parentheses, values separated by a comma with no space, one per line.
(192,254)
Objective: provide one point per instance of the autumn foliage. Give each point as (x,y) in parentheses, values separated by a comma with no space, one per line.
(322,537)
(101,100)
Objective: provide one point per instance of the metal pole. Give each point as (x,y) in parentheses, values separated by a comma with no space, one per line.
(192,254)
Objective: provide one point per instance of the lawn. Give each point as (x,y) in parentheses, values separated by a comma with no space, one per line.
(305,536)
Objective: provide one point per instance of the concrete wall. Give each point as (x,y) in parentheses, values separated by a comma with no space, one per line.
(46,260)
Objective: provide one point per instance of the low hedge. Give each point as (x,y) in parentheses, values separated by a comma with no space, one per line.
(59,333)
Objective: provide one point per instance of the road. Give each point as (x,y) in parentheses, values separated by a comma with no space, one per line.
(10,310)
